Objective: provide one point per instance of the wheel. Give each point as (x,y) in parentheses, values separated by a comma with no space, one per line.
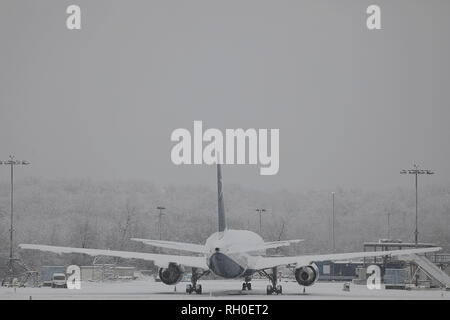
(244,286)
(279,289)
(249,286)
(198,289)
(269,289)
(189,288)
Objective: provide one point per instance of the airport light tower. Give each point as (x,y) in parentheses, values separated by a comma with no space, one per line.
(160,208)
(260,211)
(332,228)
(416,171)
(12,162)
(388,213)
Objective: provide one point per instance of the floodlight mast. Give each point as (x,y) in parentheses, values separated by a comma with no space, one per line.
(333,223)
(260,211)
(416,171)
(160,208)
(12,162)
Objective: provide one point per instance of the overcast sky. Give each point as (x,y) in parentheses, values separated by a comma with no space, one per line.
(353,106)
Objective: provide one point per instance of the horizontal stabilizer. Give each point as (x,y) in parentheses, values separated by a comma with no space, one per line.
(263,247)
(284,243)
(184,246)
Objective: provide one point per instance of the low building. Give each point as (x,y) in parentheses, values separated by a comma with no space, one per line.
(106,272)
(338,270)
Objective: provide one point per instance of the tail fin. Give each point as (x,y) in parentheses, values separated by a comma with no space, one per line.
(222,220)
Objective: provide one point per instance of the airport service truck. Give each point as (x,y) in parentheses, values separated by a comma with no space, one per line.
(48,273)
(59,280)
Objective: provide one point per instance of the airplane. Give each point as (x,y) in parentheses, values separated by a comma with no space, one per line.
(230,254)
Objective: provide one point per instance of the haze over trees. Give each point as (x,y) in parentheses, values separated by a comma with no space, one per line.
(92,214)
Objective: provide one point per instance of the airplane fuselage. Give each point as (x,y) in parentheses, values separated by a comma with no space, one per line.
(225,256)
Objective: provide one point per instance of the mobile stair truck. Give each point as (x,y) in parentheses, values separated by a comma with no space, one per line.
(431,270)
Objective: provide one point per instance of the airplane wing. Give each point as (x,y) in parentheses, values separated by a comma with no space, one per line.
(161,260)
(270,262)
(191,247)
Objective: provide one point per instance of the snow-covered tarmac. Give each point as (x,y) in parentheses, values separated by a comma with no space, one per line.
(214,289)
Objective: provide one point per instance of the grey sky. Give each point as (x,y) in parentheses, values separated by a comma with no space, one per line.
(353,106)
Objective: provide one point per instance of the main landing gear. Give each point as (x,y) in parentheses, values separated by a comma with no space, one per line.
(247,284)
(274,287)
(194,286)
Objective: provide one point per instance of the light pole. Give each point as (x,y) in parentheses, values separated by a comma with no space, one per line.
(260,211)
(332,228)
(160,216)
(416,171)
(388,225)
(12,162)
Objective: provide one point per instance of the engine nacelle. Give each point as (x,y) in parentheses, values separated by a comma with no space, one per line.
(171,275)
(307,275)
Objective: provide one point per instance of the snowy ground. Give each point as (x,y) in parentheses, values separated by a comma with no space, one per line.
(218,289)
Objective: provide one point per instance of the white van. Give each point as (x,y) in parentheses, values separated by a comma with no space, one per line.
(59,280)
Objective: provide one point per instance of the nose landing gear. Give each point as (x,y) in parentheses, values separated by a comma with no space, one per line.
(247,284)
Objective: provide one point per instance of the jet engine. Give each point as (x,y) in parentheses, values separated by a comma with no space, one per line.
(171,275)
(307,275)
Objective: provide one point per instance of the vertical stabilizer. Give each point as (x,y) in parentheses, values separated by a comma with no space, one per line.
(221,209)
